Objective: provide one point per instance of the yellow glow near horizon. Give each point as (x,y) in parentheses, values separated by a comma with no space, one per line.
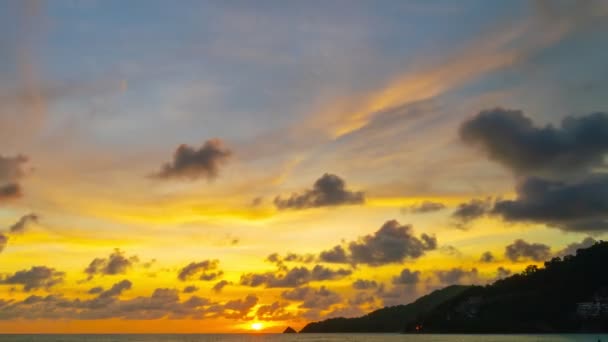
(257,326)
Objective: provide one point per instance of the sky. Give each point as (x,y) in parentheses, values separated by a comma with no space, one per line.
(227,166)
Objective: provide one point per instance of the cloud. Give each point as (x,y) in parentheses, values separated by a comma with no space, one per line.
(457,275)
(280,261)
(469,211)
(407,277)
(3,241)
(191,164)
(329,190)
(392,243)
(36,277)
(219,286)
(487,257)
(364,284)
(557,167)
(116,289)
(521,249)
(206,270)
(20,226)
(10,191)
(236,308)
(95,290)
(570,206)
(11,168)
(311,298)
(572,248)
(510,138)
(424,207)
(294,277)
(116,263)
(276,311)
(190,289)
(502,272)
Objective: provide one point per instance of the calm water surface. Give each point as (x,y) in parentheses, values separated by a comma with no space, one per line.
(306,338)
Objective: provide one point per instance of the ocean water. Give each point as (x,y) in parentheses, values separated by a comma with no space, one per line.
(306,338)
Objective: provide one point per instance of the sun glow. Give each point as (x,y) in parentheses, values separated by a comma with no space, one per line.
(257,326)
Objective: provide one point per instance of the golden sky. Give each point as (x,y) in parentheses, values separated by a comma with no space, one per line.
(230,167)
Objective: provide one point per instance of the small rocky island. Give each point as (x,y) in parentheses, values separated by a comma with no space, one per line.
(290,330)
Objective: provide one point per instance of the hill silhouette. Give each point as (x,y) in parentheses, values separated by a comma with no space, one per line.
(568,294)
(389,319)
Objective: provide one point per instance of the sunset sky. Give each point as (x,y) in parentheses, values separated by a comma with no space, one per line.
(215,166)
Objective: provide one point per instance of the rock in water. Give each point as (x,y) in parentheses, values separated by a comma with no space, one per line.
(290,330)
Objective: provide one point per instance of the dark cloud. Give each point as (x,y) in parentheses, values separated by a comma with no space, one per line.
(502,272)
(116,263)
(276,311)
(335,255)
(487,257)
(10,191)
(219,286)
(294,277)
(36,277)
(191,163)
(362,298)
(24,221)
(116,289)
(423,208)
(95,290)
(11,170)
(280,261)
(364,284)
(162,303)
(450,250)
(329,190)
(572,206)
(522,250)
(3,241)
(572,248)
(392,243)
(469,211)
(206,270)
(311,298)
(190,289)
(512,139)
(457,275)
(407,277)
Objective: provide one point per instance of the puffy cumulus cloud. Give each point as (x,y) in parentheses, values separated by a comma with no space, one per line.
(407,277)
(364,284)
(191,163)
(219,286)
(457,275)
(558,167)
(95,290)
(522,250)
(116,289)
(571,206)
(10,191)
(276,311)
(116,263)
(311,298)
(487,257)
(190,289)
(162,303)
(423,208)
(206,270)
(36,277)
(362,298)
(3,241)
(11,171)
(20,226)
(469,211)
(294,277)
(280,261)
(512,139)
(392,243)
(572,248)
(329,190)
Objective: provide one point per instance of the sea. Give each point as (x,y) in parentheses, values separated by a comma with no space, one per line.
(306,338)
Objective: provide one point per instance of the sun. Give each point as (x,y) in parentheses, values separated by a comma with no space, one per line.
(257,326)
